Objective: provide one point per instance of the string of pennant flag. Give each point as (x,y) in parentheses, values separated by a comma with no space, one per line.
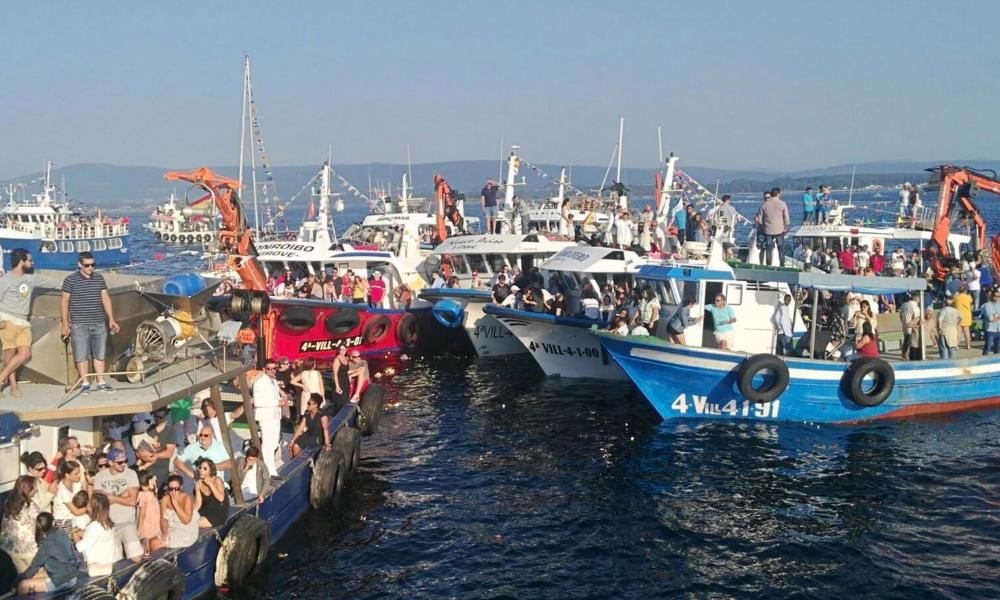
(538,171)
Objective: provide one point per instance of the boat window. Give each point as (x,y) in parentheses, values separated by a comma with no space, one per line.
(477,263)
(66,246)
(459,266)
(48,247)
(317,268)
(114,243)
(273,267)
(496,262)
(83,246)
(99,245)
(734,293)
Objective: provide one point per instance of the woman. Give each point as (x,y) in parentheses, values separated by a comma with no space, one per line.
(528,301)
(313,429)
(70,479)
(310,381)
(97,541)
(864,315)
(341,382)
(45,487)
(963,303)
(56,565)
(254,477)
(565,219)
(866,343)
(331,293)
(359,290)
(179,521)
(681,320)
(558,305)
(17,529)
(453,282)
(210,497)
(607,308)
(211,419)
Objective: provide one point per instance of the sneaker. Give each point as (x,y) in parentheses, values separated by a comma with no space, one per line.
(85,388)
(16,393)
(105,387)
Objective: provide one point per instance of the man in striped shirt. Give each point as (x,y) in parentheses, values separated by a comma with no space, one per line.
(86,318)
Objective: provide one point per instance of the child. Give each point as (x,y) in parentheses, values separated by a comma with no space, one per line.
(149,509)
(81,500)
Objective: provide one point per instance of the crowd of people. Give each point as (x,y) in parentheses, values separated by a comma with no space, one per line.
(331,286)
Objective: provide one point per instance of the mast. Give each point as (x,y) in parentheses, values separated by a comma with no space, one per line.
(404,197)
(562,185)
(253,159)
(850,194)
(659,141)
(243,120)
(621,134)
(668,184)
(513,162)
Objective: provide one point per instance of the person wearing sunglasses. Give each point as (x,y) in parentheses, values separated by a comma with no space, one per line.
(121,485)
(86,318)
(207,447)
(268,400)
(16,290)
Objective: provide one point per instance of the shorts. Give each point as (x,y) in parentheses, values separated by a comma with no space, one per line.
(728,336)
(89,341)
(127,536)
(50,585)
(14,336)
(490,212)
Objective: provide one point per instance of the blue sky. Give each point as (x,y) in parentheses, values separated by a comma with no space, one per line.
(780,85)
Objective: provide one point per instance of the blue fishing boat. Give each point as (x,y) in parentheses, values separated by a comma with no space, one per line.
(682,381)
(55,234)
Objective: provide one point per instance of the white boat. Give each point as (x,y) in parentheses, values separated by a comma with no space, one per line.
(191,224)
(485,255)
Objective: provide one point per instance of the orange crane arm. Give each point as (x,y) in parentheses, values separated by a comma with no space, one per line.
(959,186)
(442,192)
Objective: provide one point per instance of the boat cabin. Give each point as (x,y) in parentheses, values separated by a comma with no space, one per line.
(487,255)
(573,268)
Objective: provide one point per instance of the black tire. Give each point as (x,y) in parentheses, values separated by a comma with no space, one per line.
(347,441)
(328,478)
(159,235)
(154,579)
(297,318)
(342,322)
(91,592)
(370,409)
(752,367)
(376,329)
(860,369)
(243,551)
(406,329)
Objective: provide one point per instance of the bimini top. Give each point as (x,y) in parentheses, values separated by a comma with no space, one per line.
(592,259)
(511,243)
(802,279)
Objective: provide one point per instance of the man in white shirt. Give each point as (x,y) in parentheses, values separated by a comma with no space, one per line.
(121,485)
(268,400)
(782,321)
(909,318)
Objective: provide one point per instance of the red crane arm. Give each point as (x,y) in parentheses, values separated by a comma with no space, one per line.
(958,186)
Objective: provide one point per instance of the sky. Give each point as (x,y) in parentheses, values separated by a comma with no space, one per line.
(736,85)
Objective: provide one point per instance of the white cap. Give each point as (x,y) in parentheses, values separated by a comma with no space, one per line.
(514,288)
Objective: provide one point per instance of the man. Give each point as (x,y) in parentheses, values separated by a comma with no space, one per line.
(862,259)
(909,319)
(991,323)
(500,290)
(822,204)
(268,400)
(725,217)
(86,318)
(679,218)
(774,221)
(723,317)
(623,230)
(488,202)
(437,281)
(904,200)
(782,321)
(659,236)
(207,447)
(16,288)
(808,206)
(376,290)
(163,434)
(121,486)
(949,320)
(357,369)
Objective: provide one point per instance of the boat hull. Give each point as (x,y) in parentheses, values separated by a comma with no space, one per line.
(63,254)
(685,382)
(487,335)
(562,346)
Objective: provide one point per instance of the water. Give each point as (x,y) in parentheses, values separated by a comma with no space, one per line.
(488,480)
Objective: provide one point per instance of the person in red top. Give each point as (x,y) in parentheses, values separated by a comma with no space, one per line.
(376,290)
(877,262)
(346,282)
(866,344)
(846,258)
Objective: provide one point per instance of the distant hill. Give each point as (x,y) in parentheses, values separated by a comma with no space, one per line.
(115,186)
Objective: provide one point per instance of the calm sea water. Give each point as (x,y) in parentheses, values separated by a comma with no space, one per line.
(488,480)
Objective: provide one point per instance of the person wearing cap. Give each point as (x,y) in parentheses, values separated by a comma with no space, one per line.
(376,290)
(121,485)
(358,373)
(268,400)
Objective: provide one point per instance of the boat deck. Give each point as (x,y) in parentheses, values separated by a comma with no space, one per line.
(42,402)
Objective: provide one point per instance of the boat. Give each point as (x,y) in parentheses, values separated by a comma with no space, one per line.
(485,255)
(191,224)
(55,234)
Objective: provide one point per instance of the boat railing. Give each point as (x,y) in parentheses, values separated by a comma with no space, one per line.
(74,232)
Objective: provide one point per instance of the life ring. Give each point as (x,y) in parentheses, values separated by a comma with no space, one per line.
(90,592)
(243,551)
(370,409)
(154,579)
(448,313)
(376,329)
(297,318)
(773,386)
(406,329)
(328,477)
(341,322)
(347,441)
(862,392)
(158,235)
(173,237)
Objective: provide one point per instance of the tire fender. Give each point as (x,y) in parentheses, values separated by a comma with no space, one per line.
(370,409)
(862,368)
(406,329)
(376,329)
(154,579)
(341,322)
(243,551)
(347,441)
(297,318)
(90,592)
(754,366)
(328,478)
